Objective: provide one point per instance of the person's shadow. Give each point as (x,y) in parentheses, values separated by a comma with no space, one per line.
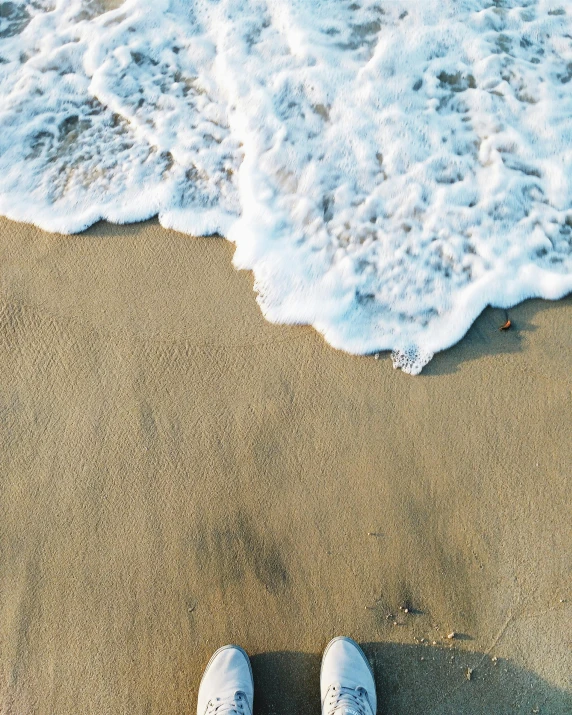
(411,680)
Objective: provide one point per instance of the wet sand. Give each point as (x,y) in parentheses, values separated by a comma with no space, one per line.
(178,474)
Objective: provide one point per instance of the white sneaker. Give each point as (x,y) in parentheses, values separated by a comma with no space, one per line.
(347,686)
(227,685)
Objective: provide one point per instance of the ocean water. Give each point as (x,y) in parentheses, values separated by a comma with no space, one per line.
(385,168)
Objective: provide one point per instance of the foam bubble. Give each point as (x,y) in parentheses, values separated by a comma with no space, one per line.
(386,169)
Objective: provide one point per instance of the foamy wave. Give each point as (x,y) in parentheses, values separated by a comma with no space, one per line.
(386,169)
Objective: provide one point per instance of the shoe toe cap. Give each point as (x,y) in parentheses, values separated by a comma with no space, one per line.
(228,672)
(345,663)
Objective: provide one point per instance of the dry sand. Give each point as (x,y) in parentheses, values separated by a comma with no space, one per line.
(178,474)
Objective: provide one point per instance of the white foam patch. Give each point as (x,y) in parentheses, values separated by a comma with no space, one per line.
(387,169)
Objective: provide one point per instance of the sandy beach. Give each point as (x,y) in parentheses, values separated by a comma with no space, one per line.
(177,474)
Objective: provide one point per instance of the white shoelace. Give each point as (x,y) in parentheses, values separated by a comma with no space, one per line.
(346,699)
(230,704)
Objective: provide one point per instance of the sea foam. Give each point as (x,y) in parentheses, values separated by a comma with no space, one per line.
(385,168)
